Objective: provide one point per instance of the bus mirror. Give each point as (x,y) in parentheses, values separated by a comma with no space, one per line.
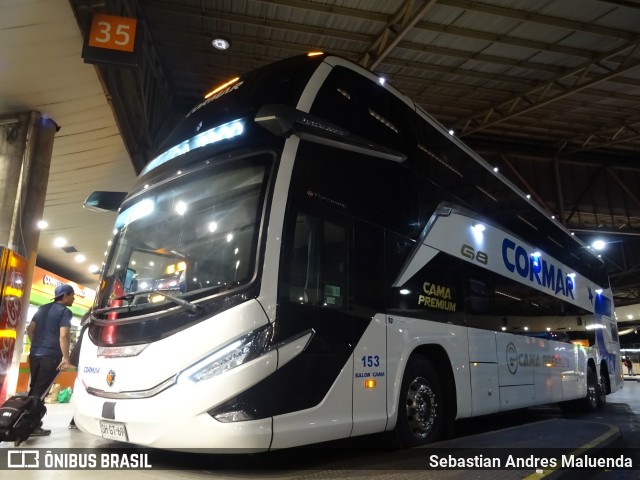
(104,201)
(282,120)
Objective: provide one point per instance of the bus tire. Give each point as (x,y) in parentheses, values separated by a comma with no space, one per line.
(420,406)
(590,401)
(603,387)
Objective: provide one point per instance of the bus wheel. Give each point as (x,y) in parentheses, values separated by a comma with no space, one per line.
(603,387)
(590,401)
(421,404)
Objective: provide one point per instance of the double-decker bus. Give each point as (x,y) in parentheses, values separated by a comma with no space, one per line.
(312,257)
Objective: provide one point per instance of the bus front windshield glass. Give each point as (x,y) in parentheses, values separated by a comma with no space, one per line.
(188,236)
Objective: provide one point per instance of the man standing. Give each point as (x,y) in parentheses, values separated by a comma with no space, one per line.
(49,335)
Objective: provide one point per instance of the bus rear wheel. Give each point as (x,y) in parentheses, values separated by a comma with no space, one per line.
(421,404)
(590,401)
(603,387)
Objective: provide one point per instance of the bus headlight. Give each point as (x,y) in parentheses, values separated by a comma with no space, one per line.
(230,356)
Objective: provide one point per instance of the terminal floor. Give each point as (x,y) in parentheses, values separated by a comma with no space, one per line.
(618,427)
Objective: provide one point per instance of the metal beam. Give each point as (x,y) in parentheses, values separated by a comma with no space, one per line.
(403,21)
(576,80)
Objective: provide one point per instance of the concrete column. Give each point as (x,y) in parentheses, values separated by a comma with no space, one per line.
(25,160)
(13,134)
(32,188)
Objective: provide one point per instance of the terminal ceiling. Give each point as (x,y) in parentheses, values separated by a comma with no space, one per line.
(546,90)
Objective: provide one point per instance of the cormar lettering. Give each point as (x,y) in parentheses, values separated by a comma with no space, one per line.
(535,269)
(230,88)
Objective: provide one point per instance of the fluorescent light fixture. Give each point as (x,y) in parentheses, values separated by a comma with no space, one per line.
(595,326)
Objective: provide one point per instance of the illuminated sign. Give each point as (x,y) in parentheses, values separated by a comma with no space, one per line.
(208,137)
(112,39)
(113,33)
(44,283)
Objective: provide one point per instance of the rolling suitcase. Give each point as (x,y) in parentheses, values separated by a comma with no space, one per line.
(20,415)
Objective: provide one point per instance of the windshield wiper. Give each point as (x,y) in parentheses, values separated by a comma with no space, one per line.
(191,307)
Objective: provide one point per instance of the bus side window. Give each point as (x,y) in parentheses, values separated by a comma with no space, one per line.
(318,263)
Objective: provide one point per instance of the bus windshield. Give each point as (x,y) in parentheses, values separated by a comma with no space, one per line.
(188,236)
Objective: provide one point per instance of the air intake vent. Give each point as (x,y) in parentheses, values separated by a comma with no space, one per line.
(70,249)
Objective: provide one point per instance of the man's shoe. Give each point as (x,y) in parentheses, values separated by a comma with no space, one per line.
(40,432)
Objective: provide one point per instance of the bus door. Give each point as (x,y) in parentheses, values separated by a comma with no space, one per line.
(367,304)
(314,296)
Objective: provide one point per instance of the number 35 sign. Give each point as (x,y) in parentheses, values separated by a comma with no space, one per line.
(111,39)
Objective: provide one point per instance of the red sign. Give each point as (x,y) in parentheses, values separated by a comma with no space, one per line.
(13,271)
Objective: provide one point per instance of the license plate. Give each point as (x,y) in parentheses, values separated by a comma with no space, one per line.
(113,431)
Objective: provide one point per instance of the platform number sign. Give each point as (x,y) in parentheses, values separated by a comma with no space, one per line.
(115,33)
(111,39)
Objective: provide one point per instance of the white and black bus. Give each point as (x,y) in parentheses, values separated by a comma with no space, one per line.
(314,257)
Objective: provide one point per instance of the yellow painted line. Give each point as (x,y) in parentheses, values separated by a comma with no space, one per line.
(593,443)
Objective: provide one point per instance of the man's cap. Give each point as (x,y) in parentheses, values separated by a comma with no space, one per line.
(63,290)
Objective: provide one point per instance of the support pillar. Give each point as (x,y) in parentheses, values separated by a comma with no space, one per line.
(26,144)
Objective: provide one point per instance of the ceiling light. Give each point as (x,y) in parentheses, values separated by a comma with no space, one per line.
(93,269)
(598,245)
(220,43)
(42,224)
(60,242)
(478,227)
(80,258)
